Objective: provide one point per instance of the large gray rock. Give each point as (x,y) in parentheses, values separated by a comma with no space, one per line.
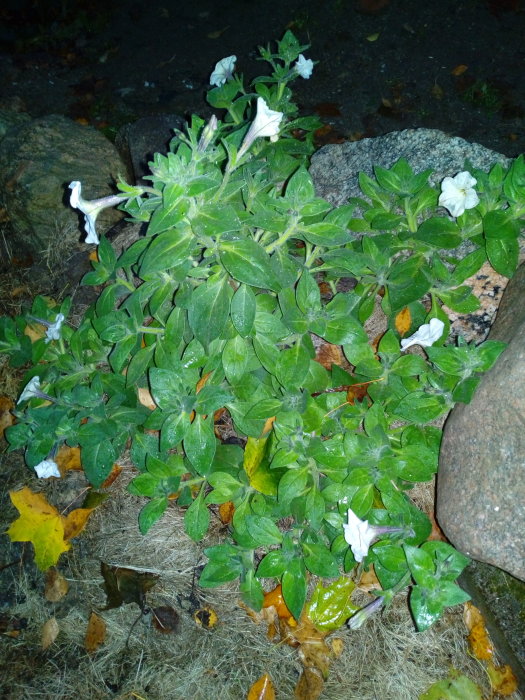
(481,478)
(38,160)
(335,167)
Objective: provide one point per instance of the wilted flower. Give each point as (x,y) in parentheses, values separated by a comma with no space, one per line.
(266,123)
(207,134)
(304,66)
(31,389)
(91,209)
(360,535)
(457,193)
(426,335)
(223,71)
(47,468)
(53,329)
(361,616)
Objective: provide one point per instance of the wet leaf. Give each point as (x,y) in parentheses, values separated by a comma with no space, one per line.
(6,417)
(310,685)
(124,585)
(165,619)
(42,524)
(275,598)
(502,680)
(56,586)
(95,633)
(403,321)
(262,689)
(206,617)
(454,687)
(329,608)
(478,638)
(50,632)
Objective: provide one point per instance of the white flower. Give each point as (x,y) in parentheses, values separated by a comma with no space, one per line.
(47,468)
(359,535)
(31,389)
(426,335)
(361,616)
(266,123)
(207,134)
(223,71)
(304,66)
(91,209)
(457,193)
(53,329)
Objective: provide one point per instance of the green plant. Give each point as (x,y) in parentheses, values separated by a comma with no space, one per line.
(213,312)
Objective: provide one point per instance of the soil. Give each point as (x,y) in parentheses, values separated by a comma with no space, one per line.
(383,65)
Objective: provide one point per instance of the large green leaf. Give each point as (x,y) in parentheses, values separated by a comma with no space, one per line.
(208,311)
(248,262)
(242,309)
(200,444)
(167,250)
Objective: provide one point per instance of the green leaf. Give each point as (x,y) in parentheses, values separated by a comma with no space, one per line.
(421,566)
(329,608)
(460,299)
(97,461)
(439,232)
(263,530)
(197,519)
(272,565)
(251,591)
(294,586)
(420,407)
(292,484)
(173,430)
(200,444)
(152,512)
(235,358)
(325,233)
(248,262)
(167,250)
(454,687)
(503,255)
(217,572)
(242,310)
(319,560)
(209,309)
(170,212)
(292,366)
(166,387)
(307,293)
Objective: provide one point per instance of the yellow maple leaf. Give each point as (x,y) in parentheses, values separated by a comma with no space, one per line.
(42,524)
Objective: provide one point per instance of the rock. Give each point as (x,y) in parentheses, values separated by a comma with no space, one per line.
(138,142)
(38,160)
(481,478)
(335,167)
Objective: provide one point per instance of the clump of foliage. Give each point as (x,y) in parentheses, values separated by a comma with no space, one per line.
(212,314)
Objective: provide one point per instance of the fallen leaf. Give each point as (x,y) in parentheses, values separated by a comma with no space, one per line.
(6,417)
(56,586)
(310,685)
(454,687)
(459,69)
(262,689)
(368,581)
(478,638)
(93,256)
(275,598)
(50,632)
(68,458)
(502,680)
(329,608)
(12,626)
(95,633)
(34,331)
(327,109)
(328,355)
(403,321)
(75,522)
(123,585)
(206,617)
(226,511)
(202,381)
(165,619)
(338,646)
(217,33)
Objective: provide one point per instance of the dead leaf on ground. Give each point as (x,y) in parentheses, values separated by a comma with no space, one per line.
(459,69)
(68,458)
(327,109)
(262,689)
(368,581)
(206,617)
(403,321)
(124,585)
(328,354)
(226,511)
(50,632)
(165,619)
(95,633)
(502,680)
(56,586)
(12,626)
(113,475)
(478,638)
(6,417)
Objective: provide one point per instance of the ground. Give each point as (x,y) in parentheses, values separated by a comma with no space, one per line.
(383,65)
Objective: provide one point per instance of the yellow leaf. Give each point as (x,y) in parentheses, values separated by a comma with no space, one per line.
(34,331)
(257,468)
(459,69)
(403,321)
(68,458)
(502,680)
(50,632)
(39,523)
(262,689)
(275,598)
(206,617)
(478,638)
(75,522)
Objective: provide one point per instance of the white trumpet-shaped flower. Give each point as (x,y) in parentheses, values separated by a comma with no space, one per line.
(426,335)
(91,209)
(360,535)
(266,123)
(223,71)
(458,193)
(31,389)
(47,468)
(361,616)
(304,66)
(53,329)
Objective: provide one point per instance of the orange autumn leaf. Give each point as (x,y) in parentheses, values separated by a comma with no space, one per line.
(502,680)
(6,417)
(262,689)
(68,458)
(113,475)
(275,598)
(267,426)
(93,256)
(459,69)
(478,638)
(328,355)
(403,321)
(42,524)
(202,382)
(95,633)
(226,511)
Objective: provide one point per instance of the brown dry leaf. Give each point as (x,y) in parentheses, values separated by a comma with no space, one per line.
(226,511)
(338,646)
(68,458)
(327,109)
(436,532)
(217,33)
(459,69)
(502,680)
(165,619)
(6,417)
(145,398)
(56,586)
(50,632)
(368,581)
(437,92)
(267,426)
(310,685)
(95,633)
(206,617)
(403,321)
(93,256)
(328,355)
(113,475)
(202,381)
(262,689)
(75,522)
(358,392)
(123,585)
(478,638)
